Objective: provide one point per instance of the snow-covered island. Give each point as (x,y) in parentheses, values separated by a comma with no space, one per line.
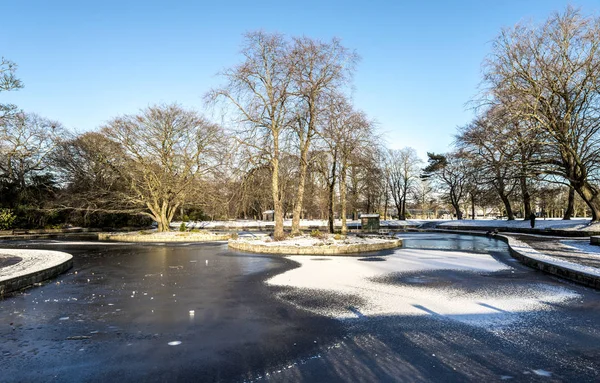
(321,244)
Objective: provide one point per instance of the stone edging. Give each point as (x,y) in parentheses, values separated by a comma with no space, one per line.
(315,250)
(118,237)
(585,275)
(35,266)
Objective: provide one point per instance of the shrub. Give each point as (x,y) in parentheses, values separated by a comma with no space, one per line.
(234,236)
(316,233)
(7,219)
(338,237)
(182,227)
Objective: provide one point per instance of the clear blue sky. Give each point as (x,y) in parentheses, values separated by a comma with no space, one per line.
(84,62)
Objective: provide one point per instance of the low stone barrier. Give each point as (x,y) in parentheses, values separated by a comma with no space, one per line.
(35,266)
(154,237)
(314,250)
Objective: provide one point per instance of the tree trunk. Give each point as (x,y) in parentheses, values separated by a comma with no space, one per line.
(304,147)
(526,197)
(472,206)
(330,212)
(278,233)
(570,204)
(299,200)
(385,204)
(399,208)
(459,214)
(332,193)
(343,197)
(403,216)
(589,194)
(507,207)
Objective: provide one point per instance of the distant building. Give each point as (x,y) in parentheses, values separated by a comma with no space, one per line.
(268,215)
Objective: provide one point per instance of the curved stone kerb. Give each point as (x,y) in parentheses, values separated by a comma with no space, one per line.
(314,250)
(35,266)
(175,237)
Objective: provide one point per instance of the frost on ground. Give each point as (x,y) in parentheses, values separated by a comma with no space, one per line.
(306,240)
(583,245)
(32,261)
(249,223)
(351,276)
(527,251)
(581,224)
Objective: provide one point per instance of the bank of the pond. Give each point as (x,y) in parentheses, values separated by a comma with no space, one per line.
(526,254)
(33,266)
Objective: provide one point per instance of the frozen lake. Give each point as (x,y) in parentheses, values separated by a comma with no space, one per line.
(444,307)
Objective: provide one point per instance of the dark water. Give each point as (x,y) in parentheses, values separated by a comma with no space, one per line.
(114,314)
(436,241)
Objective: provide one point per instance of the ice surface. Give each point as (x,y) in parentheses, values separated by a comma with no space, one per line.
(349,276)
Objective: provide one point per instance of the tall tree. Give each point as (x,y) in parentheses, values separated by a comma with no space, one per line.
(551,74)
(402,173)
(26,141)
(166,149)
(320,70)
(258,89)
(451,172)
(8,82)
(488,142)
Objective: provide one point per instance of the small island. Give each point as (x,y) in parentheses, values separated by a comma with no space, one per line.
(166,236)
(325,244)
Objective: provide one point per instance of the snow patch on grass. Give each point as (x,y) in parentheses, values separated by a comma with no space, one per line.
(308,241)
(580,224)
(349,276)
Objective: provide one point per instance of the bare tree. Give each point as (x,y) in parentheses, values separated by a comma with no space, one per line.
(26,141)
(551,74)
(166,149)
(451,172)
(349,136)
(488,143)
(88,168)
(259,92)
(402,173)
(8,82)
(320,70)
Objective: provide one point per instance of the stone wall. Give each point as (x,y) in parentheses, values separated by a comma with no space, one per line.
(36,266)
(176,237)
(314,250)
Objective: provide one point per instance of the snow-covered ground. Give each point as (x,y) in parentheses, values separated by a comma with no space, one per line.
(308,241)
(583,245)
(288,223)
(581,224)
(351,276)
(525,250)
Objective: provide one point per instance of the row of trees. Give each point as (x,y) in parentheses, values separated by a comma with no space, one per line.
(291,129)
(292,141)
(538,119)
